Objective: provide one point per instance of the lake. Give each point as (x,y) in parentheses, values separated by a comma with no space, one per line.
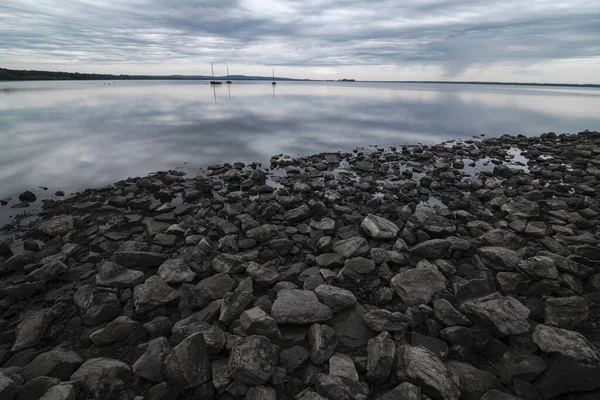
(72,135)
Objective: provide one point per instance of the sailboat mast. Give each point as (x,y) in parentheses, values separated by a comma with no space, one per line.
(213,70)
(273,73)
(228,70)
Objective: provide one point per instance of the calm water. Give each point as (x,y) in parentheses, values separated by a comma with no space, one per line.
(72,135)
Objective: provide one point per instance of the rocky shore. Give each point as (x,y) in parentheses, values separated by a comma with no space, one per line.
(441,272)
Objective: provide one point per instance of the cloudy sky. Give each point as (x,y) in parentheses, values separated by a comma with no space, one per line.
(527,41)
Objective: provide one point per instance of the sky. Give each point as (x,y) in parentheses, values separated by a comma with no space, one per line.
(485,40)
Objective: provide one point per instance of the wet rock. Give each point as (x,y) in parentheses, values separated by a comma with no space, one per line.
(566,312)
(188,364)
(568,343)
(383,320)
(116,276)
(352,247)
(431,222)
(57,363)
(103,377)
(335,298)
(418,285)
(175,271)
(381,352)
(297,214)
(505,315)
(152,294)
(473,381)
(342,365)
(379,228)
(257,322)
(150,364)
(27,196)
(117,330)
(322,340)
(294,306)
(59,225)
(252,361)
(520,207)
(503,238)
(31,330)
(424,369)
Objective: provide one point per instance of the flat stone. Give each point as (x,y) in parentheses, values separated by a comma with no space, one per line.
(418,285)
(554,340)
(116,276)
(505,315)
(354,268)
(568,375)
(62,391)
(293,358)
(60,225)
(520,207)
(152,294)
(297,214)
(334,297)
(448,315)
(294,306)
(116,331)
(350,329)
(188,364)
(335,388)
(260,392)
(252,361)
(262,276)
(379,228)
(35,388)
(30,331)
(176,271)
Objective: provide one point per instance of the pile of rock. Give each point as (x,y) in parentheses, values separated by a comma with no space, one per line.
(333,280)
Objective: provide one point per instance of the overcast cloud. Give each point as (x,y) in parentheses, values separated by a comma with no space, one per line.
(534,40)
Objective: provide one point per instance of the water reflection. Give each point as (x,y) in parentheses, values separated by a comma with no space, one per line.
(68,135)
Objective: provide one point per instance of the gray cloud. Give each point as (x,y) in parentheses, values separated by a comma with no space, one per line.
(451,34)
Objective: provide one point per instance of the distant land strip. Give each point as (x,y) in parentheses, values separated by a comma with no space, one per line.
(26,75)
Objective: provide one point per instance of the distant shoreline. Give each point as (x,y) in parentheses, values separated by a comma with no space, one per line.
(8,75)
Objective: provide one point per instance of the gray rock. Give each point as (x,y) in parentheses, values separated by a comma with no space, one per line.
(234,303)
(116,276)
(329,260)
(297,214)
(516,364)
(291,359)
(336,388)
(381,351)
(383,320)
(214,338)
(139,259)
(513,282)
(566,312)
(432,249)
(431,222)
(473,381)
(220,378)
(448,315)
(229,264)
(418,285)
(152,294)
(342,365)
(505,315)
(262,233)
(499,258)
(404,391)
(261,393)
(309,395)
(257,322)
(322,340)
(352,247)
(47,272)
(554,340)
(60,225)
(216,286)
(57,363)
(334,297)
(101,305)
(150,364)
(188,365)
(476,336)
(176,271)
(8,387)
(262,276)
(424,369)
(477,284)
(539,267)
(350,330)
(568,375)
(379,228)
(30,331)
(503,238)
(294,306)
(436,346)
(116,331)
(35,388)
(354,268)
(63,391)
(520,207)
(252,361)
(98,374)
(495,394)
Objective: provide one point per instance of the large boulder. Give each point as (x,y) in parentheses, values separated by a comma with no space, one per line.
(504,315)
(252,361)
(31,330)
(572,344)
(60,225)
(188,364)
(294,306)
(379,228)
(566,312)
(418,285)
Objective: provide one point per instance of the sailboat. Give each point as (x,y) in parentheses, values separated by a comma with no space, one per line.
(273,83)
(228,82)
(213,82)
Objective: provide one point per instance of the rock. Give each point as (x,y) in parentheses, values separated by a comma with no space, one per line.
(59,225)
(234,303)
(335,298)
(293,358)
(567,375)
(63,391)
(436,346)
(477,284)
(24,290)
(404,391)
(424,369)
(252,361)
(499,258)
(47,272)
(566,312)
(257,322)
(99,374)
(503,238)
(448,315)
(568,343)
(229,264)
(37,387)
(432,249)
(350,329)
(433,223)
(262,276)
(150,364)
(495,394)
(352,247)
(101,305)
(520,207)
(539,267)
(57,363)
(117,330)
(473,382)
(383,320)
(188,365)
(294,306)
(175,271)
(322,340)
(8,387)
(379,228)
(297,214)
(115,276)
(342,365)
(216,286)
(418,285)
(263,233)
(27,196)
(505,315)
(516,364)
(354,268)
(152,294)
(139,259)
(336,388)
(381,352)
(261,393)
(31,330)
